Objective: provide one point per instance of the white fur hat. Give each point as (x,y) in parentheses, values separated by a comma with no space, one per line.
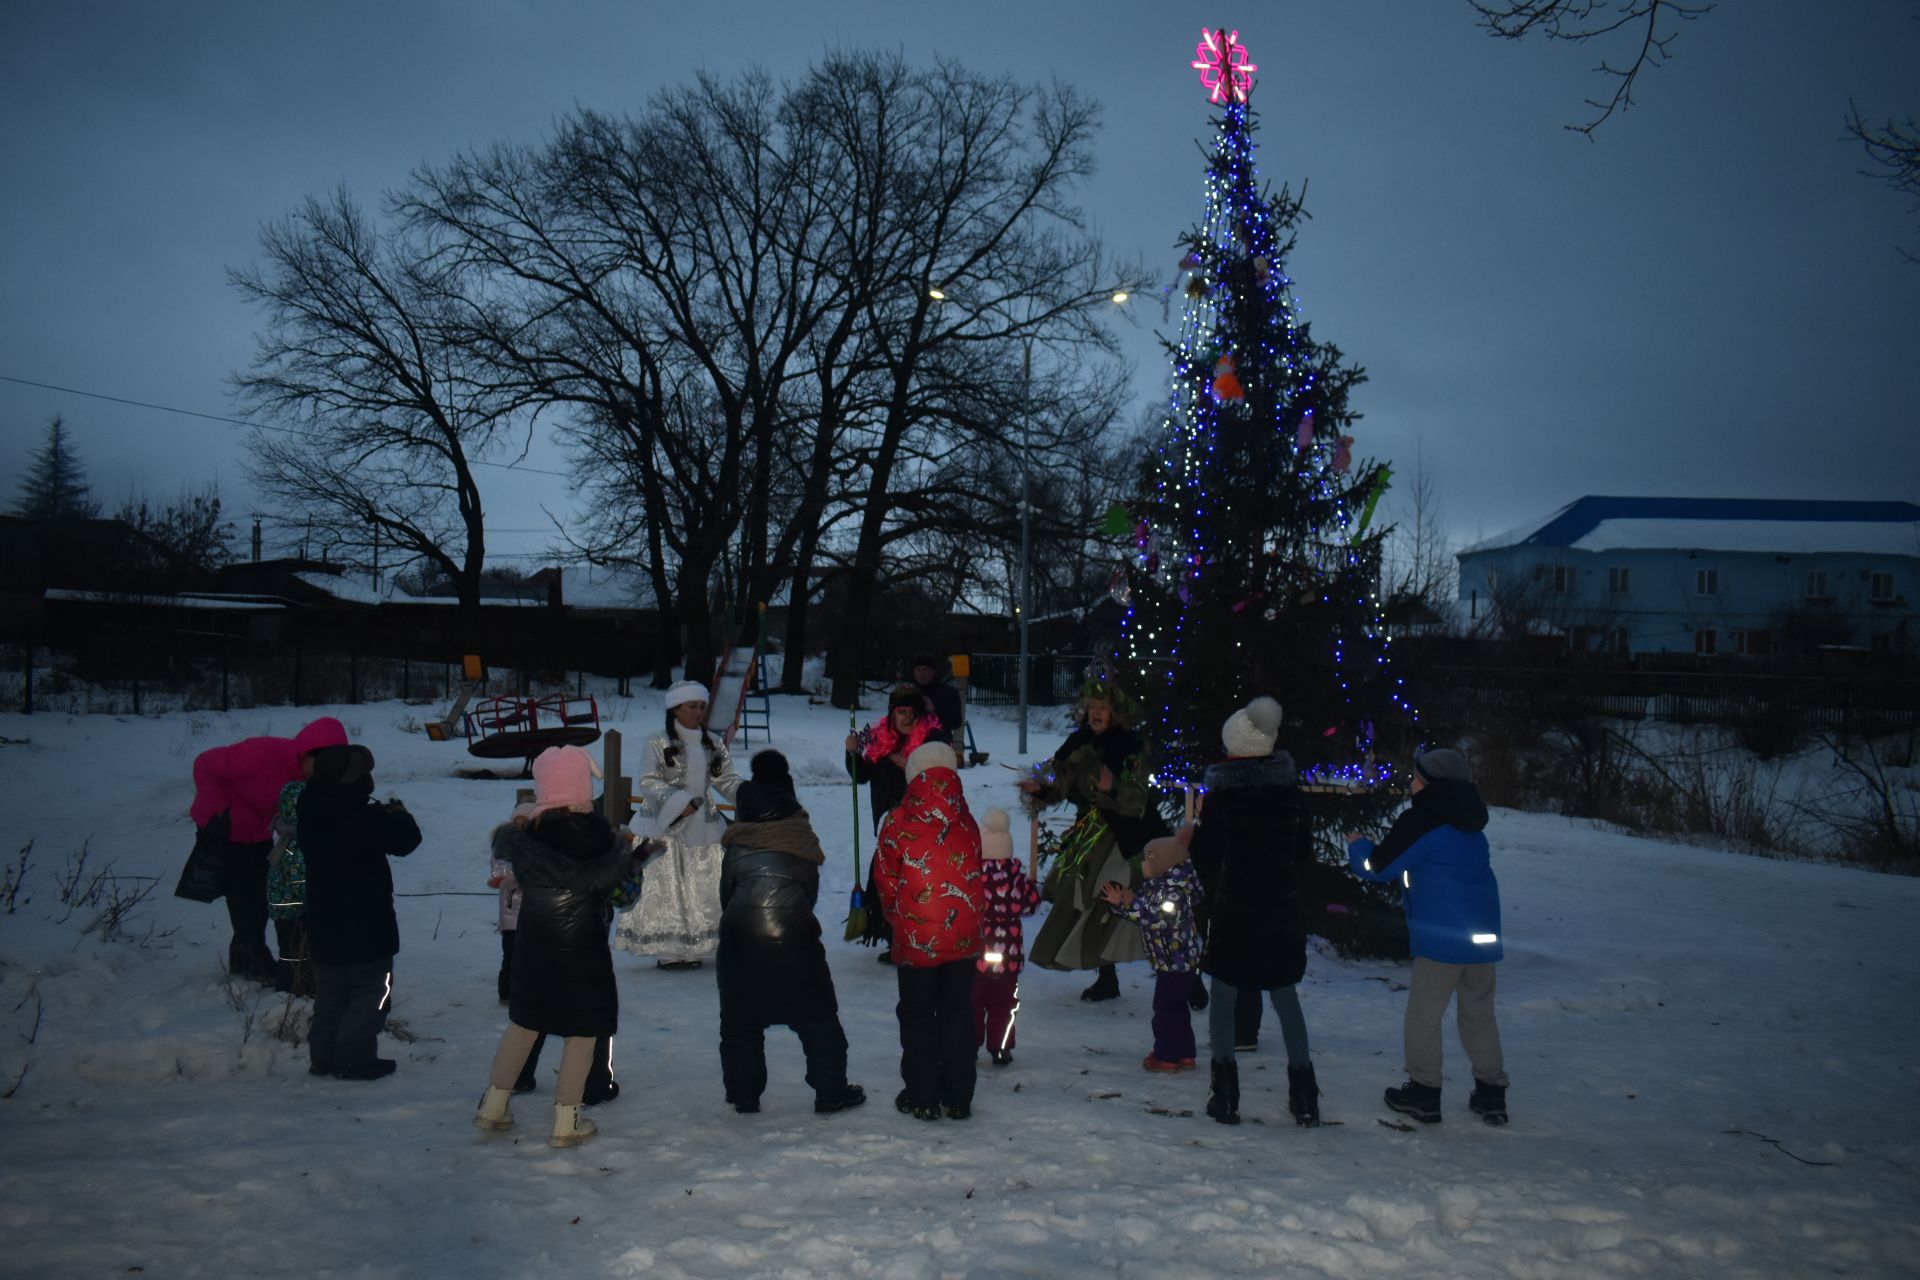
(686,691)
(1253,729)
(996,841)
(930,755)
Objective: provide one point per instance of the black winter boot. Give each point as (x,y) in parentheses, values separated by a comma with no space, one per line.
(842,1097)
(1223,1101)
(1421,1101)
(1489,1102)
(1303,1096)
(1105,987)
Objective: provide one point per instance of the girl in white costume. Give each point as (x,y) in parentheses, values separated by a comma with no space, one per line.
(677,919)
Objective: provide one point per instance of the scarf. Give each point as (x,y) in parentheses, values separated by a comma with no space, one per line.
(784,835)
(880,739)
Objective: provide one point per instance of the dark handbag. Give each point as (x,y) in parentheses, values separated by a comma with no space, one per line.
(204,878)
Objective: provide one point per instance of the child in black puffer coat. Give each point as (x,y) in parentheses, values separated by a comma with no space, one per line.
(772,965)
(568,863)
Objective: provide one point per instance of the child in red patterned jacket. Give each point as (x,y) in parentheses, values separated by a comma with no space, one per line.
(1009,895)
(928,874)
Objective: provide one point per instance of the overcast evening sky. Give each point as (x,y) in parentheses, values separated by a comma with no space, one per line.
(1707,299)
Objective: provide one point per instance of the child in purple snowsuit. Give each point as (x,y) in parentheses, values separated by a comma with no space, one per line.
(1009,895)
(1163,908)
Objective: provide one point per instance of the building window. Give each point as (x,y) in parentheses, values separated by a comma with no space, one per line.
(1706,640)
(1616,640)
(1753,644)
(1880,588)
(1555,579)
(1817,585)
(1706,582)
(1617,582)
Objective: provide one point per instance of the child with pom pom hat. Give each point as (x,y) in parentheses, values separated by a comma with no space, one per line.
(1009,895)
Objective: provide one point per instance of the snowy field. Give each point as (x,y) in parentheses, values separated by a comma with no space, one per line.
(1715,1063)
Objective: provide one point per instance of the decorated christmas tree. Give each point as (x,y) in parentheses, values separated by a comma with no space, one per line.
(1255,561)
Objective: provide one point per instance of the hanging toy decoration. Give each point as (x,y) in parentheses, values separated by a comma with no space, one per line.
(1304,436)
(1197,287)
(1226,381)
(1191,262)
(1375,491)
(1343,454)
(1262,269)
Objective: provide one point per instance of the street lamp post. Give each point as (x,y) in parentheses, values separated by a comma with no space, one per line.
(1025,604)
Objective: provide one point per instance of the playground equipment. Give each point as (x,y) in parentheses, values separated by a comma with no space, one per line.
(738,701)
(505,727)
(473,675)
(962,667)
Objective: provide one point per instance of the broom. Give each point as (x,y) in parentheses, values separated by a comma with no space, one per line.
(857,911)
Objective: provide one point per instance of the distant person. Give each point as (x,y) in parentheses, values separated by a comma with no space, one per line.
(927,869)
(1437,849)
(1008,895)
(677,920)
(243,781)
(1251,849)
(347,837)
(877,756)
(569,864)
(771,965)
(930,673)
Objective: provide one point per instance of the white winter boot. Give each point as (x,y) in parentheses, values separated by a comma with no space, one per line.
(570,1128)
(493,1113)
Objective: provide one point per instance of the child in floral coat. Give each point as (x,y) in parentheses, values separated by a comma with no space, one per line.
(1163,908)
(1008,895)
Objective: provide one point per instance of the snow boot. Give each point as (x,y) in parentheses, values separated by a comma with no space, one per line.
(1223,1099)
(1303,1096)
(570,1128)
(599,1091)
(1105,987)
(960,1111)
(493,1113)
(904,1105)
(1421,1101)
(1489,1102)
(378,1069)
(1001,1057)
(1154,1062)
(840,1098)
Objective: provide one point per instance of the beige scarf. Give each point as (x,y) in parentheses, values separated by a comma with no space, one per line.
(792,835)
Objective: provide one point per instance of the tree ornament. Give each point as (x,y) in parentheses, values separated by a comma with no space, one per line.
(1226,381)
(1343,454)
(1197,287)
(1262,269)
(1191,262)
(1304,436)
(1221,60)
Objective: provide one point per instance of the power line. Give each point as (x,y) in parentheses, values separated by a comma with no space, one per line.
(240,422)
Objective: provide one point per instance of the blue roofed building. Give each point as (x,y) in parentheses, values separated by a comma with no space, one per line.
(1709,576)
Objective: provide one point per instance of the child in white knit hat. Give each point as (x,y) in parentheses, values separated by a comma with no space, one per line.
(1009,896)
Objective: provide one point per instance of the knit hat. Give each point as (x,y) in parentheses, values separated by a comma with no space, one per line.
(1252,729)
(907,695)
(996,841)
(562,779)
(930,755)
(770,769)
(1442,764)
(686,691)
(927,658)
(342,763)
(759,801)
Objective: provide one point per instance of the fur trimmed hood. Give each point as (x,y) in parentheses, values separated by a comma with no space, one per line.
(1276,770)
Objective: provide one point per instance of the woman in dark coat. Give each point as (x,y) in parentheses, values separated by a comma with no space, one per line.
(567,862)
(1101,769)
(772,965)
(1250,849)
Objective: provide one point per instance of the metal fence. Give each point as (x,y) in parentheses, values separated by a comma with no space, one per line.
(1053,679)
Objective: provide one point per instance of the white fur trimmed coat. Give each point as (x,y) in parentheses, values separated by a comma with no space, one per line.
(678,915)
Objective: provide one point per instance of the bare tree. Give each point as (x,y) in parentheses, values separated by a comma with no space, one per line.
(190,527)
(1422,572)
(1894,150)
(1645,29)
(367,356)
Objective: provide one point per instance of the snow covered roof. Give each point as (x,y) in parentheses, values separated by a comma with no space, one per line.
(356,588)
(1720,524)
(586,586)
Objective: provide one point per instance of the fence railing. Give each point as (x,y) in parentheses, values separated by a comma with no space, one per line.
(1053,679)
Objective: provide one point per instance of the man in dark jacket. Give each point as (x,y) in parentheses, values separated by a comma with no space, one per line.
(930,677)
(1438,852)
(351,928)
(771,965)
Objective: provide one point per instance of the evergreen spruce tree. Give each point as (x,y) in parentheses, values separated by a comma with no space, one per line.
(1254,566)
(55,487)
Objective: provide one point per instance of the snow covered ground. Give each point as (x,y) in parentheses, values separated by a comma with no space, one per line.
(1715,1064)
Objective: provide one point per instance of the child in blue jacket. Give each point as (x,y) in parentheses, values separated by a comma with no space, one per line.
(1437,850)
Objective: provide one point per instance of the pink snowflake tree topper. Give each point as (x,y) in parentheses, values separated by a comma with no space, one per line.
(1221,60)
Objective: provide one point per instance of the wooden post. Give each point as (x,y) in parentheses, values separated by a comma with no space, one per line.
(613,798)
(1188,788)
(1033,848)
